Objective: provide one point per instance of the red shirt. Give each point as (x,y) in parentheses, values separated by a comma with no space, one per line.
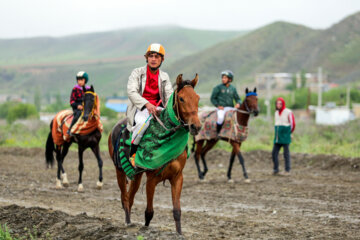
(151,91)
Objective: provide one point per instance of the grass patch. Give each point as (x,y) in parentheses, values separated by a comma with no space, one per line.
(5,233)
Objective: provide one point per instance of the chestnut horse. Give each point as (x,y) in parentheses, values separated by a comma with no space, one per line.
(90,140)
(186,108)
(249,106)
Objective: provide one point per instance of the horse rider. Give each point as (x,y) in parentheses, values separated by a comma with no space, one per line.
(284,127)
(77,97)
(146,87)
(223,97)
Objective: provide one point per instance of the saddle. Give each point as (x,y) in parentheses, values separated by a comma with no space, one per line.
(230,130)
(159,145)
(61,124)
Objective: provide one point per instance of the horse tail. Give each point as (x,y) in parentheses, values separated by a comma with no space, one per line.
(110,146)
(193,145)
(50,148)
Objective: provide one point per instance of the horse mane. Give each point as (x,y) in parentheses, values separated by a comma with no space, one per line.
(183,84)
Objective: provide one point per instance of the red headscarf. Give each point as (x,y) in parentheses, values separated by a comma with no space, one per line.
(283,104)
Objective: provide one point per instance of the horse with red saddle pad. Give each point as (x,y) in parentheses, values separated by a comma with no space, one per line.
(87,134)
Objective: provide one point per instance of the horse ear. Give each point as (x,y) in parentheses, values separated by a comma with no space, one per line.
(179,79)
(255,90)
(195,81)
(246,90)
(92,88)
(84,88)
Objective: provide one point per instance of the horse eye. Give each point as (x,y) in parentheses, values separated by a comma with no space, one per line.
(181,99)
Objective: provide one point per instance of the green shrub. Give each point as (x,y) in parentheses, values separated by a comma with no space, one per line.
(21,111)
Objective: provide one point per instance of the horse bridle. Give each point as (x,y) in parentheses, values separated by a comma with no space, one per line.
(248,111)
(95,103)
(182,122)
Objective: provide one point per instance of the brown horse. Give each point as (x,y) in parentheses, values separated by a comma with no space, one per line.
(186,108)
(249,106)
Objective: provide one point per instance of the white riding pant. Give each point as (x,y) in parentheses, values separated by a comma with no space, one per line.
(140,119)
(221,114)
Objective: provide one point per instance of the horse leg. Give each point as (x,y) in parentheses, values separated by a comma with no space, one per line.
(121,179)
(199,146)
(59,166)
(236,149)
(134,187)
(65,151)
(209,145)
(80,168)
(176,187)
(232,158)
(96,151)
(150,190)
(242,162)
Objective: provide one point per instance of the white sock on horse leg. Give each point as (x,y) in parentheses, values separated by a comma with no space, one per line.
(58,184)
(65,180)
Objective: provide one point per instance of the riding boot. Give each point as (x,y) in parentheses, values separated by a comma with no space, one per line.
(218,128)
(133,149)
(76,115)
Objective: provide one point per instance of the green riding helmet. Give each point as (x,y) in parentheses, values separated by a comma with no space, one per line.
(228,73)
(81,75)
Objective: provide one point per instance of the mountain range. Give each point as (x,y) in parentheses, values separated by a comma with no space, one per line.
(50,64)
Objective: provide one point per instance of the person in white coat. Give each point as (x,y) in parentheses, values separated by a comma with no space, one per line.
(147,86)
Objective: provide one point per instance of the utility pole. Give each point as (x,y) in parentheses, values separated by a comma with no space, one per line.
(348,97)
(319,87)
(268,97)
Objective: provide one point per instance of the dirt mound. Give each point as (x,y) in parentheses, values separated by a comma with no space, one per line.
(260,158)
(50,224)
(18,151)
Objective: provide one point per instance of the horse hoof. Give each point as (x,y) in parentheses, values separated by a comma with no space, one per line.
(247,180)
(80,188)
(58,184)
(99,185)
(231,181)
(65,181)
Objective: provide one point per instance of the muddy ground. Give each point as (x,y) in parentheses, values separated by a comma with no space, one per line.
(320,200)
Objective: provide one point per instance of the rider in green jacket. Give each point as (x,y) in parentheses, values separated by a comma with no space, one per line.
(223,97)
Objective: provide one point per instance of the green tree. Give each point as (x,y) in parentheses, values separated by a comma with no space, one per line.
(21,111)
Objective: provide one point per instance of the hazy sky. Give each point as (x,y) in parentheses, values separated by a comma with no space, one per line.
(27,18)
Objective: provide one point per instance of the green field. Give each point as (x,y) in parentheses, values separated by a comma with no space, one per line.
(309,138)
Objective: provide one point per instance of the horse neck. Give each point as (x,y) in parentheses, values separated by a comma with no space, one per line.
(243,118)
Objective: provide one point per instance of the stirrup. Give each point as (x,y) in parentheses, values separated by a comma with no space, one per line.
(132,160)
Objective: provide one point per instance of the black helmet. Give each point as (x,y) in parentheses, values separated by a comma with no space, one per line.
(228,73)
(81,75)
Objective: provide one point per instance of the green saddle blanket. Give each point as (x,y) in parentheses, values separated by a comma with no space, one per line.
(158,145)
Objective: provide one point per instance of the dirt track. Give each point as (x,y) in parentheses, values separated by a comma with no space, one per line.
(320,200)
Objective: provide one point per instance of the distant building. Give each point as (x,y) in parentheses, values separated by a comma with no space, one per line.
(282,80)
(277,80)
(118,104)
(330,114)
(11,97)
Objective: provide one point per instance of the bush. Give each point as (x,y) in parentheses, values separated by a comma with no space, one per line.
(21,111)
(107,112)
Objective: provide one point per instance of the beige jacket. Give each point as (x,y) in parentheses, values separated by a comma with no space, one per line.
(135,89)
